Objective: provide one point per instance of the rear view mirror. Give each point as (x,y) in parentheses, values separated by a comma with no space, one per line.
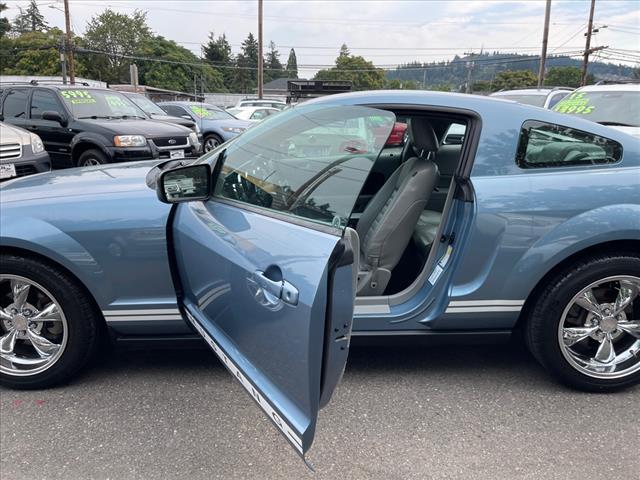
(185,184)
(55,117)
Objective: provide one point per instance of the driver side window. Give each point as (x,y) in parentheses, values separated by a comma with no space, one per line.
(309,162)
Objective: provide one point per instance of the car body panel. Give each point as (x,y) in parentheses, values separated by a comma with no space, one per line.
(17,150)
(520,221)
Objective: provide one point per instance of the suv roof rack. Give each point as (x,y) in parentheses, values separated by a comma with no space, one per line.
(44,82)
(543,87)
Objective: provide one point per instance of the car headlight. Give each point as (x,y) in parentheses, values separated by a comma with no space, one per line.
(129,141)
(193,138)
(36,143)
(234,129)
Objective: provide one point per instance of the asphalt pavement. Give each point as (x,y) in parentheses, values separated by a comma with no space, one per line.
(481,412)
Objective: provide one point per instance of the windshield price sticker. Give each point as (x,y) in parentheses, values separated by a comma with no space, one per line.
(115,101)
(293,437)
(77,97)
(575,103)
(200,111)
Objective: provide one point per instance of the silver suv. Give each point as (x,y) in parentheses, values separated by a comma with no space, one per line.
(21,153)
(538,97)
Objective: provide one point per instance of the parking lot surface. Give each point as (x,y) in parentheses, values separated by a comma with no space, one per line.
(481,412)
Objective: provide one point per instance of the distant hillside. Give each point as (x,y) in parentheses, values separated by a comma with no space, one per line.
(454,72)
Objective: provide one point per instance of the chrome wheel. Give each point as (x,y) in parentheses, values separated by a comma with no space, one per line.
(33,328)
(599,331)
(211,143)
(90,162)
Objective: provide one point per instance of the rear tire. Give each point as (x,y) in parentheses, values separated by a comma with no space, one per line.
(573,329)
(211,141)
(92,157)
(46,352)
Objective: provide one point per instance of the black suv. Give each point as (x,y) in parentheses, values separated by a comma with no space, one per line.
(81,125)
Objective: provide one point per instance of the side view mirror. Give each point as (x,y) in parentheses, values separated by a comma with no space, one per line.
(55,117)
(185,184)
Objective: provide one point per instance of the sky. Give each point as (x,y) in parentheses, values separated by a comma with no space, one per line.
(385,32)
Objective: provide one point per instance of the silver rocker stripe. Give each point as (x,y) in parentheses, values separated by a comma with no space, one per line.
(482,309)
(145,318)
(157,311)
(485,303)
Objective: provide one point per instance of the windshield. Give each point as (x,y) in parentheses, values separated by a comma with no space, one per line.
(209,112)
(147,105)
(535,100)
(87,103)
(310,162)
(615,107)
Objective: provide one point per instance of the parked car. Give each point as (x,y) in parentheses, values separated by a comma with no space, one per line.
(258,248)
(217,126)
(617,106)
(21,153)
(265,102)
(252,114)
(538,97)
(81,125)
(154,111)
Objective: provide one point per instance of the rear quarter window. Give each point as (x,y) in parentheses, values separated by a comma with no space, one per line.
(545,145)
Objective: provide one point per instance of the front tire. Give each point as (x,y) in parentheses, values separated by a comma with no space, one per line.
(585,325)
(91,158)
(48,325)
(211,141)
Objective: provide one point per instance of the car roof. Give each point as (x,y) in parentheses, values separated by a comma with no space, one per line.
(617,87)
(531,91)
(187,102)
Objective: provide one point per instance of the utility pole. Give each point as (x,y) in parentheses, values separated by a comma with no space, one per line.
(470,66)
(587,48)
(545,41)
(260,57)
(72,66)
(63,62)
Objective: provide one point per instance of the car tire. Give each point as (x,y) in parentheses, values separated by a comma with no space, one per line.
(51,351)
(577,330)
(211,141)
(92,157)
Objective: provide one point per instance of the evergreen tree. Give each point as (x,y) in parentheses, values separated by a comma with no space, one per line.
(30,20)
(344,51)
(272,65)
(5,25)
(218,52)
(292,65)
(246,76)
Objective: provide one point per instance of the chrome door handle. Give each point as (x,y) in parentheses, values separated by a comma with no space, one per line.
(281,290)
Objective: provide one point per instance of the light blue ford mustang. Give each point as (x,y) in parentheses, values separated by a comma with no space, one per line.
(310,228)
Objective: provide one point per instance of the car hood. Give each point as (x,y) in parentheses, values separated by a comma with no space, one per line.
(94,182)
(171,119)
(148,128)
(635,131)
(231,122)
(11,134)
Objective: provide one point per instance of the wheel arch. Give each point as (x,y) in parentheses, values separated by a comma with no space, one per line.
(26,253)
(610,247)
(81,143)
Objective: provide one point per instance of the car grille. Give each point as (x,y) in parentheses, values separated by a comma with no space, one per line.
(10,151)
(22,170)
(171,142)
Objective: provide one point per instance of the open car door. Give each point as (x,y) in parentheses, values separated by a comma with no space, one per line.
(267,265)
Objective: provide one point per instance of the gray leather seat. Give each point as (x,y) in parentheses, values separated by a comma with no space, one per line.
(426,229)
(390,218)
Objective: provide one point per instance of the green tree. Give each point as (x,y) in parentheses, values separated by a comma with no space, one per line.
(362,74)
(272,66)
(30,20)
(246,76)
(170,74)
(218,52)
(5,24)
(292,65)
(511,79)
(33,53)
(115,34)
(344,51)
(565,77)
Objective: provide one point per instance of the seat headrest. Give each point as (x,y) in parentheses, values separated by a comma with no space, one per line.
(422,135)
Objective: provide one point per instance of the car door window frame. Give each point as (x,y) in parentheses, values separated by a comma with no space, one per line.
(61,108)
